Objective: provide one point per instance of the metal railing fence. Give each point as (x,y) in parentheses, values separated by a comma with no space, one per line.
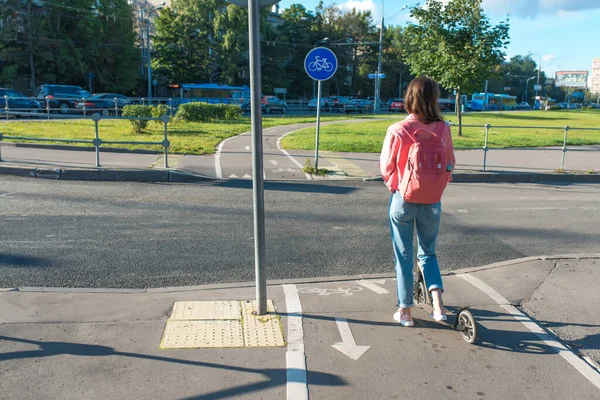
(97,142)
(563,150)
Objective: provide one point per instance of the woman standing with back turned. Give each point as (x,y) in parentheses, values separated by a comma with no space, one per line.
(416,163)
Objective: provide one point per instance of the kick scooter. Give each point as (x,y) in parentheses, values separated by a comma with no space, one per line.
(464,321)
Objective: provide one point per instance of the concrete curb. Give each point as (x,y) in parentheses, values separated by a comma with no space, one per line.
(277,282)
(105,174)
(169,175)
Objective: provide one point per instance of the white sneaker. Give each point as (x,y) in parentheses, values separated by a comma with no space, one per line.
(397,318)
(439,317)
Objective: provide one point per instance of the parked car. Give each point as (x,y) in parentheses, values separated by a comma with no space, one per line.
(397,105)
(523,106)
(338,103)
(103,103)
(18,102)
(359,106)
(272,103)
(61,98)
(326,104)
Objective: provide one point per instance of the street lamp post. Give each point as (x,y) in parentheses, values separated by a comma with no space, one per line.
(148,57)
(378,77)
(531,53)
(527,87)
(377,106)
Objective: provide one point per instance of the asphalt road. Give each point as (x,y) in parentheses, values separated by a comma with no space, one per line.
(134,235)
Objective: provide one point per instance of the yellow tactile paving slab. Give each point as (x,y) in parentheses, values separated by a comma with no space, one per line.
(261,331)
(349,168)
(206,310)
(199,334)
(221,324)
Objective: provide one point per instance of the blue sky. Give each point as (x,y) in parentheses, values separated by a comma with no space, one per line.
(563,32)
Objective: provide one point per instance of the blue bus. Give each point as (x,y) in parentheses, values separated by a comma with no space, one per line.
(493,102)
(481,101)
(209,93)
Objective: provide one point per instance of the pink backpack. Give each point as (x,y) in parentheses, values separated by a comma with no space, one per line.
(426,174)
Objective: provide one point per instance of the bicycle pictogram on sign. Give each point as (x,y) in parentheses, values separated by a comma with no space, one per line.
(320,64)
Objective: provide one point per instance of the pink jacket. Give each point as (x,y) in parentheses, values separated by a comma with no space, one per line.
(394,153)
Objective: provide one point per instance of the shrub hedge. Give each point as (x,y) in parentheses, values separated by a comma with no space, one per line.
(204,112)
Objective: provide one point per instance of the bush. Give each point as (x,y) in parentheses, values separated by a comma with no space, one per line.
(138,126)
(204,112)
(158,111)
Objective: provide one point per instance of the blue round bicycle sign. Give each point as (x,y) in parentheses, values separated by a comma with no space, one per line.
(320,64)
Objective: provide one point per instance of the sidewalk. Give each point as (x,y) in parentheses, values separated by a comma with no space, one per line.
(73,344)
(520,163)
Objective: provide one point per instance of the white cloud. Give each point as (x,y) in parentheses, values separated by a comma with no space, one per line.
(363,5)
(533,8)
(548,57)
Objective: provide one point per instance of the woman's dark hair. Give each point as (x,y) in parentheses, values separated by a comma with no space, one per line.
(421,100)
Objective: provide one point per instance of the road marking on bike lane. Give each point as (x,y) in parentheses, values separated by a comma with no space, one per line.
(218,170)
(580,365)
(348,345)
(372,285)
(308,177)
(297,386)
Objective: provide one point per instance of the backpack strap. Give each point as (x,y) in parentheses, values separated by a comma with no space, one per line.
(414,131)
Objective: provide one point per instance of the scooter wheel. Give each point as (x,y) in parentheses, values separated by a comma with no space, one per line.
(420,295)
(467,326)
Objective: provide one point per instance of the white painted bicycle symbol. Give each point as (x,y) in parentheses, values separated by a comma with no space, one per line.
(320,64)
(290,170)
(343,290)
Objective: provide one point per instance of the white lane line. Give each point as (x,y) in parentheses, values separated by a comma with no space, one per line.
(218,170)
(580,365)
(288,154)
(371,284)
(297,387)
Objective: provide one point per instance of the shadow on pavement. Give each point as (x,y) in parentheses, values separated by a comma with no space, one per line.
(274,377)
(316,187)
(17,260)
(503,340)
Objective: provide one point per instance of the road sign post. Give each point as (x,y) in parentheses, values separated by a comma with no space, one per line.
(320,64)
(257,149)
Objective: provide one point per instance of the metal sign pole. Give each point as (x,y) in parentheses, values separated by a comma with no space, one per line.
(257,157)
(318,125)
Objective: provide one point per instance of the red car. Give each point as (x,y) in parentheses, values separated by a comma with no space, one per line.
(397,106)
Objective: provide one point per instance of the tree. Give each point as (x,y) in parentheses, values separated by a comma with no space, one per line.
(61,41)
(513,74)
(455,44)
(182,51)
(397,72)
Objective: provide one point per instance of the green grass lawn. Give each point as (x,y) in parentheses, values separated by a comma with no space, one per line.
(368,137)
(188,138)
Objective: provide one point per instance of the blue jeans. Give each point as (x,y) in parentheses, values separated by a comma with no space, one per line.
(403,217)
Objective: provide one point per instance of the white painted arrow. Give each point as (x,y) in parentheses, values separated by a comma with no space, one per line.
(348,345)
(273,162)
(247,147)
(371,284)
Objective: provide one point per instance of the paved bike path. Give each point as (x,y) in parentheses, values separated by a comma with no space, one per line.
(86,344)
